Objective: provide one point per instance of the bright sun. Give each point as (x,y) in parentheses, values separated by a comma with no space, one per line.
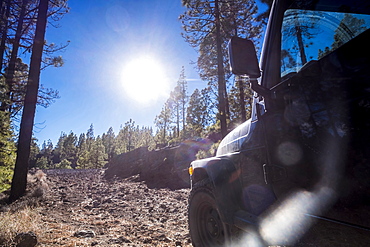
(144,79)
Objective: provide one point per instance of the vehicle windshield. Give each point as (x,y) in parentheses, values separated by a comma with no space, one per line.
(309,35)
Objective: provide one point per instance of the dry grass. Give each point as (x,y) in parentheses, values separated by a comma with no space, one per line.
(59,234)
(30,219)
(23,215)
(14,222)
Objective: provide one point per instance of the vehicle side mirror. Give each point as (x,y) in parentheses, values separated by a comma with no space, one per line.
(243,58)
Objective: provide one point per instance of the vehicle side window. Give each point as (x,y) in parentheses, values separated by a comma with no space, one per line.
(310,35)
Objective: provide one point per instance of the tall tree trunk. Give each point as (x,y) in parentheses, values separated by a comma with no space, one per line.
(4,29)
(164,133)
(220,73)
(178,119)
(227,104)
(19,182)
(183,103)
(7,104)
(300,44)
(242,100)
(183,115)
(4,20)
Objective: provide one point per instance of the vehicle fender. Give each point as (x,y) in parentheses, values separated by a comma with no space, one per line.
(223,175)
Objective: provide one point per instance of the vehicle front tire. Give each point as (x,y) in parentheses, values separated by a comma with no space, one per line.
(205,224)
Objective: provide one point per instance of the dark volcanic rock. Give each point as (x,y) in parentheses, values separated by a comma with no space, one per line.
(127,164)
(26,239)
(163,168)
(115,212)
(84,234)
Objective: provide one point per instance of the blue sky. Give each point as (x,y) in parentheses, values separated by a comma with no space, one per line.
(105,35)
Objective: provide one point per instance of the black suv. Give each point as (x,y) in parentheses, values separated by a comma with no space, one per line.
(298,171)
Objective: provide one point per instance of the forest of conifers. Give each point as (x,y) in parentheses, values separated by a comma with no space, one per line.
(182,118)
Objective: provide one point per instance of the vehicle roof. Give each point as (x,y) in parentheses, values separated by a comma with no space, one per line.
(347,6)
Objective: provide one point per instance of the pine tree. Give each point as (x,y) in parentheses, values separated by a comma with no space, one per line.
(172,118)
(146,138)
(240,98)
(195,114)
(296,37)
(162,122)
(182,97)
(90,138)
(208,26)
(69,149)
(174,108)
(199,113)
(4,24)
(10,72)
(37,46)
(97,154)
(127,137)
(348,28)
(82,152)
(108,142)
(45,159)
(19,181)
(34,153)
(57,152)
(17,36)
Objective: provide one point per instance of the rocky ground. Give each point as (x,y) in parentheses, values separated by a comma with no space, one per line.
(81,208)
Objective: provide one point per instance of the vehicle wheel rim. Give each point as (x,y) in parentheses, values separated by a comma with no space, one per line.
(210,226)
